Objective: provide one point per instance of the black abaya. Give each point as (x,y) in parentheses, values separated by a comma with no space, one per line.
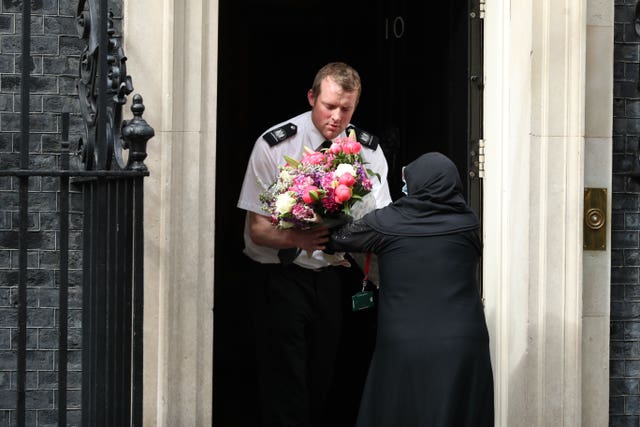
(431,365)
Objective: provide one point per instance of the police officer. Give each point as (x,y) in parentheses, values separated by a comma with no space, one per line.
(298,312)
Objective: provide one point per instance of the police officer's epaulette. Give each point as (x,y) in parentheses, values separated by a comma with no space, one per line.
(365,138)
(277,135)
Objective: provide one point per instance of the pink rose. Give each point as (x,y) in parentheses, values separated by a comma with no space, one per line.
(306,196)
(342,193)
(335,148)
(347,179)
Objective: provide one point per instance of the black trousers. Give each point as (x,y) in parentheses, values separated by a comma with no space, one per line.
(298,326)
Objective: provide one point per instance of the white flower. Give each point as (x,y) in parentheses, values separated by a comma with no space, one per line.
(285,202)
(285,177)
(345,168)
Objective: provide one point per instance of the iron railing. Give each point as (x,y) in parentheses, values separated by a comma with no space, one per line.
(108,169)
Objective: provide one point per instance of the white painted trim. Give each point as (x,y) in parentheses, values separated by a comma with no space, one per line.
(534,132)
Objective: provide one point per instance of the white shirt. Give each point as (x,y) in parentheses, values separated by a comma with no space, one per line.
(262,170)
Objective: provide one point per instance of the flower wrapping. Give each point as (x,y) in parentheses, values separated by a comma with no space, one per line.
(321,187)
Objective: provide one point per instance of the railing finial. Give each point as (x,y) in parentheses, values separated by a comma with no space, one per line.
(136,133)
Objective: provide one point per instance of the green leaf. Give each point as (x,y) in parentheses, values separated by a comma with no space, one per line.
(293,162)
(314,195)
(376,174)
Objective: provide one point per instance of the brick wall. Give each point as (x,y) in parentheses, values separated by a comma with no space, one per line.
(624,409)
(56,49)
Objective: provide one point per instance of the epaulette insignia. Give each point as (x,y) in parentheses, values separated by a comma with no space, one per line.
(278,135)
(365,138)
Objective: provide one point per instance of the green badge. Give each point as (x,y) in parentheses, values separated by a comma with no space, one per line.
(362,300)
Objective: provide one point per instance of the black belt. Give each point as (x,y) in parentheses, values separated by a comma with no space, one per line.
(296,266)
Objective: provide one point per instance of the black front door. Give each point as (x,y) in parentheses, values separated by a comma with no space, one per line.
(416,61)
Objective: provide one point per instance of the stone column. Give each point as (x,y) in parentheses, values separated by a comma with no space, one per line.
(171,47)
(535,94)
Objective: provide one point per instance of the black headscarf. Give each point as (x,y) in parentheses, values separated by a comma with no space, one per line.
(434,205)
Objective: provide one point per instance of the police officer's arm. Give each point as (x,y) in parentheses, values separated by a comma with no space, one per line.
(263,233)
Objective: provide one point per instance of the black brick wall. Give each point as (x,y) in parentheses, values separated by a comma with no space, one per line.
(624,403)
(56,48)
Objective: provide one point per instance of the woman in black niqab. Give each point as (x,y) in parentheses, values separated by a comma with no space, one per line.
(431,364)
(433,205)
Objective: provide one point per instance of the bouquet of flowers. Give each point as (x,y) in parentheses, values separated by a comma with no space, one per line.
(319,188)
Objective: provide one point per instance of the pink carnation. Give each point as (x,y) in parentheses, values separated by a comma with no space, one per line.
(351,147)
(313,158)
(335,148)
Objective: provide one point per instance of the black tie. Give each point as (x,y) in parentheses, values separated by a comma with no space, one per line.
(287,256)
(326,144)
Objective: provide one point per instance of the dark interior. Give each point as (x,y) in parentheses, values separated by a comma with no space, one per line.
(413,58)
